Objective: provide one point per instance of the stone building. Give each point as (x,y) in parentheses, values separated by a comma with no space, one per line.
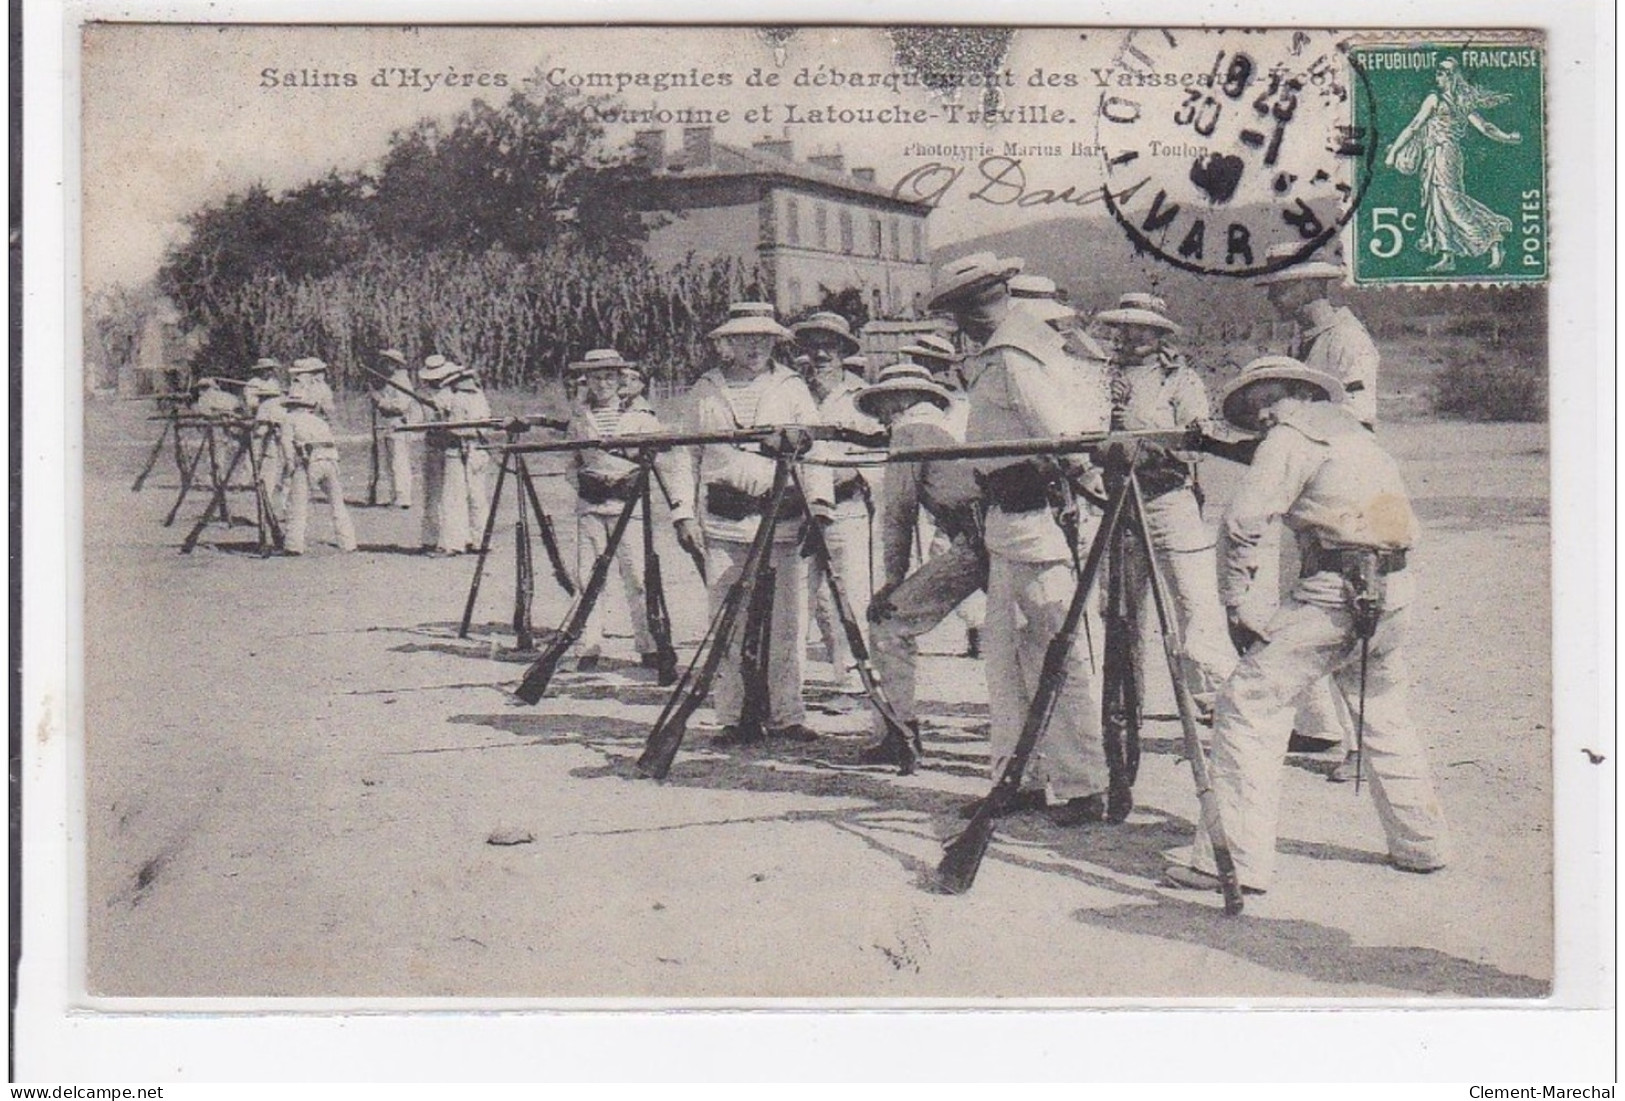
(812,226)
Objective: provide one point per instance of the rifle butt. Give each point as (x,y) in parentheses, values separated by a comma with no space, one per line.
(661,750)
(537,678)
(963,859)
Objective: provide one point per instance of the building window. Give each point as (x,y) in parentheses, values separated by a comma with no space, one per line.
(792,222)
(896,240)
(879,308)
(918,236)
(877,237)
(846,231)
(793,289)
(821,225)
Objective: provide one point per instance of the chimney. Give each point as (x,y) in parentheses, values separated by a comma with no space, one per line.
(864,175)
(775,147)
(697,146)
(651,149)
(834,162)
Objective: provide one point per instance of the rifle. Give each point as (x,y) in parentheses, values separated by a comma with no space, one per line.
(544,522)
(895,727)
(1120,669)
(755,651)
(536,679)
(1056,445)
(372,484)
(152,456)
(654,597)
(963,858)
(667,736)
(1173,647)
(424,402)
(513,426)
(695,554)
(218,498)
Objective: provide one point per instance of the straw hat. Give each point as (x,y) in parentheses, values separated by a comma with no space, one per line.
(299,401)
(937,351)
(1133,315)
(1142,300)
(394,355)
(261,388)
(827,322)
(310,365)
(600,359)
(1283,257)
(902,378)
(860,364)
(1036,296)
(750,319)
(437,369)
(263,364)
(1265,369)
(968,274)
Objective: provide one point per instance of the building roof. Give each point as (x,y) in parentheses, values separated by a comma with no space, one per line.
(732,161)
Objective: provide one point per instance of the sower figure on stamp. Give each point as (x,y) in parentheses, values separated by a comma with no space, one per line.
(750,389)
(394,410)
(907,605)
(1154,388)
(309,440)
(1329,339)
(836,377)
(1321,473)
(454,460)
(604,481)
(1023,386)
(307,378)
(938,356)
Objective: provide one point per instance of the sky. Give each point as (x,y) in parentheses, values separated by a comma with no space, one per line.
(177,116)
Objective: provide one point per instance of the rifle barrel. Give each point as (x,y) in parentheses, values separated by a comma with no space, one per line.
(1055,445)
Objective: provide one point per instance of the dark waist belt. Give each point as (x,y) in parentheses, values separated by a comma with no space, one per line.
(1020,487)
(596,489)
(728,503)
(852,487)
(958,523)
(1343,560)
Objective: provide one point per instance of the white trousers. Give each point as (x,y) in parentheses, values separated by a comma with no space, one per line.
(1253,720)
(787,650)
(321,474)
(848,539)
(1026,602)
(1321,711)
(456,497)
(592,536)
(395,466)
(923,600)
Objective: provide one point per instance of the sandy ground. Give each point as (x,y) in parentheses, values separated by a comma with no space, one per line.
(295,768)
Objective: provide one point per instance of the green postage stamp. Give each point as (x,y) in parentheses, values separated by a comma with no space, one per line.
(1457,190)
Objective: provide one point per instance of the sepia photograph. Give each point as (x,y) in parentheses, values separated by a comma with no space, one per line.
(815,515)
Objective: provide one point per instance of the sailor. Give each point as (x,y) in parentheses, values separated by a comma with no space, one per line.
(915,407)
(307,378)
(837,375)
(604,481)
(746,390)
(266,403)
(396,410)
(1320,472)
(455,461)
(308,439)
(1154,388)
(1330,339)
(937,355)
(1022,385)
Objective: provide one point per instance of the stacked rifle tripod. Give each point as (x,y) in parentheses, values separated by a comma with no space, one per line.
(746,609)
(212,436)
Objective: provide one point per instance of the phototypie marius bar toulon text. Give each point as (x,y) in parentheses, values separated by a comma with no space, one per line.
(807,512)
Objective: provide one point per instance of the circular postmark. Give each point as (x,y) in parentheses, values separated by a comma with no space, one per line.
(1223,147)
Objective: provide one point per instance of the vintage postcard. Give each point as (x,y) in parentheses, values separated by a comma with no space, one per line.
(933,516)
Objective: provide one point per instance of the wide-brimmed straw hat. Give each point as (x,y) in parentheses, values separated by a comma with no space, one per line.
(1036,296)
(1266,369)
(860,364)
(437,369)
(600,359)
(960,278)
(264,363)
(750,319)
(902,378)
(309,365)
(1142,300)
(937,351)
(1132,315)
(394,355)
(1289,271)
(827,322)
